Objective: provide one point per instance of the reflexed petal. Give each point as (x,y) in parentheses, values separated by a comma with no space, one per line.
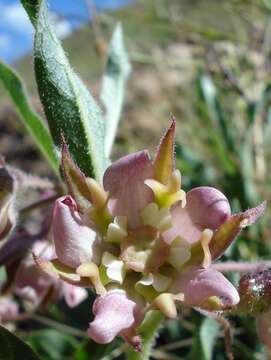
(73,295)
(57,270)
(263,326)
(206,207)
(75,243)
(124,180)
(198,285)
(113,314)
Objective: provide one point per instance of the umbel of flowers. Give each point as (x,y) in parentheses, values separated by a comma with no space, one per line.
(141,242)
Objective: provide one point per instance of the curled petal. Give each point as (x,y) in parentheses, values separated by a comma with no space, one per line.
(206,207)
(263,326)
(200,286)
(124,180)
(114,315)
(73,295)
(74,242)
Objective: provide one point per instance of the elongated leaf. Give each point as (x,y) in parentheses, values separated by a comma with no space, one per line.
(30,119)
(209,92)
(70,109)
(208,334)
(113,88)
(11,347)
(52,344)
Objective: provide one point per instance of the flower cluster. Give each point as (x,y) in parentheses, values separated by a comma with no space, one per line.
(141,242)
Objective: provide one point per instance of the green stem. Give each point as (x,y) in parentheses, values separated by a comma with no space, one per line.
(148,331)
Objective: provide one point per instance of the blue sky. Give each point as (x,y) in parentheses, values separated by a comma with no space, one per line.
(16,32)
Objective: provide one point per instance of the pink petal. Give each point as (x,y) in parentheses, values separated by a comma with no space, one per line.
(263,326)
(199,284)
(74,242)
(113,314)
(206,207)
(124,180)
(73,295)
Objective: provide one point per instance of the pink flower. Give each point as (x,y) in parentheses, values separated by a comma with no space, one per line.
(34,285)
(141,242)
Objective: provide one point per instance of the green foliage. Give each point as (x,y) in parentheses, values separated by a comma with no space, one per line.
(97,351)
(30,119)
(71,111)
(52,344)
(13,348)
(207,335)
(113,88)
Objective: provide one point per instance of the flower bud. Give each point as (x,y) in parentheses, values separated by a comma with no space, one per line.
(255,292)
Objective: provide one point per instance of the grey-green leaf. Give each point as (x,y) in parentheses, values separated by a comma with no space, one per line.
(71,111)
(12,348)
(112,96)
(208,334)
(30,119)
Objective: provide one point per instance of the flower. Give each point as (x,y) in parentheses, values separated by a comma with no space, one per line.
(37,287)
(141,242)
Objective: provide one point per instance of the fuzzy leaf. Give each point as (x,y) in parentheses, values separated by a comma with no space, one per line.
(70,109)
(30,119)
(113,88)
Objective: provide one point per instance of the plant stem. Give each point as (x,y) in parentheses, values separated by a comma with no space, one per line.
(240,267)
(148,331)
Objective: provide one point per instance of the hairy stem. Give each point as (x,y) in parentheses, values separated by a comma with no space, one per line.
(148,331)
(240,267)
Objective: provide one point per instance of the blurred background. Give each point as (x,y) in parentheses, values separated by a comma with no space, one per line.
(208,63)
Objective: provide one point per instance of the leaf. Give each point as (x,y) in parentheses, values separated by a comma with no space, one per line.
(97,351)
(210,96)
(11,347)
(52,344)
(30,119)
(219,133)
(71,111)
(118,69)
(207,335)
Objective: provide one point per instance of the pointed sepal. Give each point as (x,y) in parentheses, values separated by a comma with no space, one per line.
(164,161)
(228,231)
